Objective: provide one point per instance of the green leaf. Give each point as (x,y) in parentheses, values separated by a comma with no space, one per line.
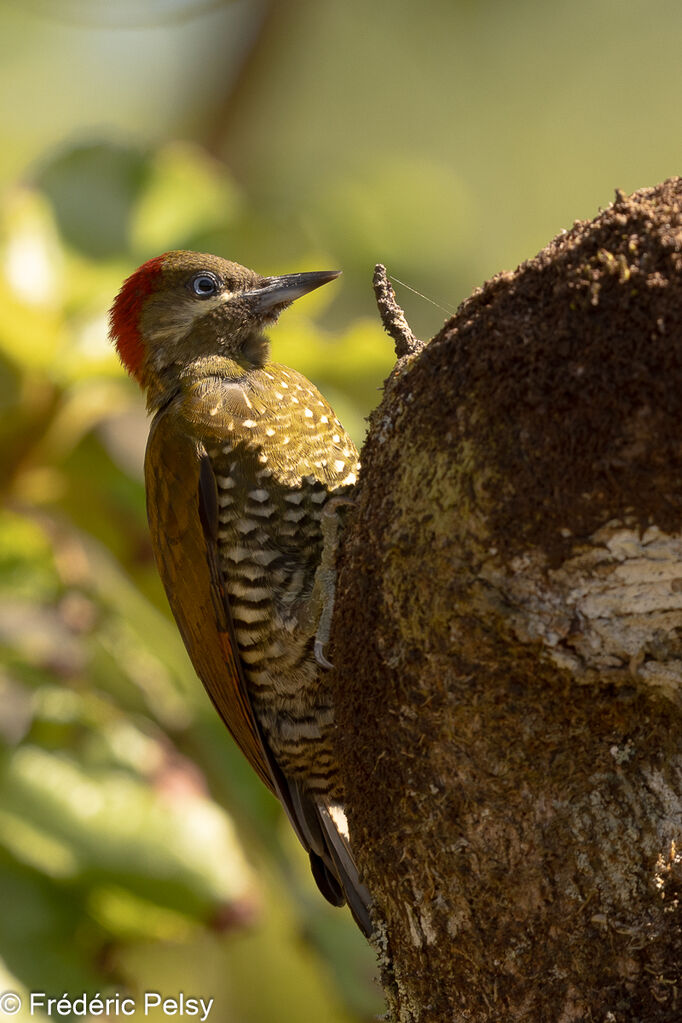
(94,189)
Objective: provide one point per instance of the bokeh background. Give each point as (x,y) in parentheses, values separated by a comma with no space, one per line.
(449,139)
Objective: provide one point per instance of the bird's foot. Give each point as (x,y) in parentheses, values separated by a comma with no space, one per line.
(324,588)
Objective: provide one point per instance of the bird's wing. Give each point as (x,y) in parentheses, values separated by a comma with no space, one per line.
(183,519)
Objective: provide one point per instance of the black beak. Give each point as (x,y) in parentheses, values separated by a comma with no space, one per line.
(276,291)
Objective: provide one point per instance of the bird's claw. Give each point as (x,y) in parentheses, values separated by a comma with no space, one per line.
(325,577)
(319,655)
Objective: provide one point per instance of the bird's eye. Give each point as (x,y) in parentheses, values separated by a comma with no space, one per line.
(204,285)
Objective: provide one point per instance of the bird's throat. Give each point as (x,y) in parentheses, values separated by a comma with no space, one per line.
(184,372)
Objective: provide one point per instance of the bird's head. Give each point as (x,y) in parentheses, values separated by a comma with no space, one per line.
(183,308)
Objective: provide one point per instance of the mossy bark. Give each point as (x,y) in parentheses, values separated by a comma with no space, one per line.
(507,641)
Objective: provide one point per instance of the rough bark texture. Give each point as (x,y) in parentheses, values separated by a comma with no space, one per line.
(508,641)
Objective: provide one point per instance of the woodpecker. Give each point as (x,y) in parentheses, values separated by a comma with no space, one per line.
(245,460)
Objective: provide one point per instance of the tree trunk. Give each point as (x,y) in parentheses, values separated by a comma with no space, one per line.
(508,641)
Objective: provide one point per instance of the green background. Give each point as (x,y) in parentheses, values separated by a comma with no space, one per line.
(449,140)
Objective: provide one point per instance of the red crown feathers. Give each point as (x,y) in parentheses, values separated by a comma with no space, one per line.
(124,321)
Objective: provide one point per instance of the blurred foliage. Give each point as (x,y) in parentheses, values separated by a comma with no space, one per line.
(118,783)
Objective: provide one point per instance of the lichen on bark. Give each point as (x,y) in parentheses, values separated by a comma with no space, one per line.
(507,641)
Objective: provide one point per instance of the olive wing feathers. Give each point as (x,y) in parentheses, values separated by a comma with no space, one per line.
(183,522)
